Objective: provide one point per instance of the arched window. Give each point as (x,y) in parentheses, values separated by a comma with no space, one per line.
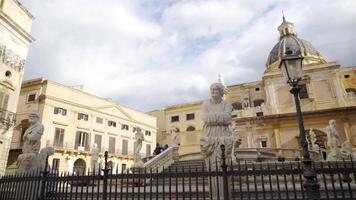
(258,102)
(237,106)
(191,128)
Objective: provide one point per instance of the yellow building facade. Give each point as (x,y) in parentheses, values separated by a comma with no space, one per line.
(15,38)
(264,111)
(74,119)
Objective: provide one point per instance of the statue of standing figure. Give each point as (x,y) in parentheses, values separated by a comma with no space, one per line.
(333,141)
(216,131)
(138,163)
(30,160)
(95,157)
(175,139)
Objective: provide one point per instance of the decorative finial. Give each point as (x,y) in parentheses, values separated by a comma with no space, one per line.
(284,19)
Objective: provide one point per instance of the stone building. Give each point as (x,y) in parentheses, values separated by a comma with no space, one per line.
(15,38)
(264,111)
(74,119)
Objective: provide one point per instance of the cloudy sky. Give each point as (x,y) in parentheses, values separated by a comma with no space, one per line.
(148,54)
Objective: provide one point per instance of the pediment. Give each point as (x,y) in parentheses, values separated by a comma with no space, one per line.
(115,110)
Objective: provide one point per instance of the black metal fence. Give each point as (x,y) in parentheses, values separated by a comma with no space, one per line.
(186,180)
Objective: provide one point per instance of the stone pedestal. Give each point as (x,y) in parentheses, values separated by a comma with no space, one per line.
(137,182)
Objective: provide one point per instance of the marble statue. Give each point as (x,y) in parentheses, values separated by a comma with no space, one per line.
(114,165)
(347,150)
(313,145)
(245,103)
(44,153)
(138,163)
(333,141)
(175,139)
(94,156)
(31,159)
(216,131)
(32,136)
(70,164)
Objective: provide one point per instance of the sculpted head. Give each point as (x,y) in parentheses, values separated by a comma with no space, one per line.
(33,117)
(138,130)
(332,123)
(174,129)
(217,91)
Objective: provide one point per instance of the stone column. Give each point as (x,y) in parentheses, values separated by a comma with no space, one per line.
(347,130)
(277,136)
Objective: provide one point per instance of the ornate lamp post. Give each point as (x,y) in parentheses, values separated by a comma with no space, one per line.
(291,66)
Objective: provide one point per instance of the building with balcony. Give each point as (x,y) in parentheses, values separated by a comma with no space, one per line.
(74,119)
(264,111)
(15,38)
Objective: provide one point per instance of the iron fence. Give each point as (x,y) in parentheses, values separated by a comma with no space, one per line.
(186,180)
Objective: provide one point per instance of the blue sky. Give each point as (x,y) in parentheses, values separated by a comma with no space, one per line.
(148,54)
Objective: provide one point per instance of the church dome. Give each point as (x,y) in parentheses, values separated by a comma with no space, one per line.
(289,40)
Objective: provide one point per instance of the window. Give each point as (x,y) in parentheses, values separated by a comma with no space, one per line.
(31,97)
(237,106)
(263,143)
(58,137)
(8,74)
(97,140)
(303,92)
(258,102)
(112,142)
(55,164)
(346,76)
(351,91)
(82,116)
(112,123)
(125,145)
(191,128)
(82,140)
(4,100)
(190,116)
(257,89)
(148,133)
(99,120)
(175,118)
(123,167)
(125,127)
(148,150)
(60,111)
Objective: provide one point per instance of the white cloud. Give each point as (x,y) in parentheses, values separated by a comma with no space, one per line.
(150,54)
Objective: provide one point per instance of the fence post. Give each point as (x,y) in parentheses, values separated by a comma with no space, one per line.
(43,182)
(105,177)
(224,168)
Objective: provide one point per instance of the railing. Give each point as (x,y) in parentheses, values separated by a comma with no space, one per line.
(162,160)
(264,180)
(7,118)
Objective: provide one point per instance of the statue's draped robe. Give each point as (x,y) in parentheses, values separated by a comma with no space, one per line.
(32,138)
(216,118)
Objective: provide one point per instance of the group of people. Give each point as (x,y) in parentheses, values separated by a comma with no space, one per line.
(159,149)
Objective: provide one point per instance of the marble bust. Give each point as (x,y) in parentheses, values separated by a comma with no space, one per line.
(32,136)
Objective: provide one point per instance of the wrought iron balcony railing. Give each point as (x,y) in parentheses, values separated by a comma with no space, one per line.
(7,118)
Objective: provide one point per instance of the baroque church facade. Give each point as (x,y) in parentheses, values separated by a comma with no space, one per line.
(264,111)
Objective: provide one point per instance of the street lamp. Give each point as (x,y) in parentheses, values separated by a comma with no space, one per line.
(291,66)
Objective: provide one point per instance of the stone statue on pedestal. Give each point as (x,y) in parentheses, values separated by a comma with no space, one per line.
(333,141)
(216,132)
(70,164)
(347,150)
(95,156)
(30,160)
(175,139)
(313,145)
(138,163)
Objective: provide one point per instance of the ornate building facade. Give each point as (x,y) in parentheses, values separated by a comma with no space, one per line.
(264,111)
(15,38)
(74,119)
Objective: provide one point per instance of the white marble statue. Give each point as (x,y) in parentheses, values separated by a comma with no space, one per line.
(138,163)
(44,153)
(347,150)
(115,163)
(70,164)
(94,156)
(313,145)
(32,136)
(245,103)
(333,141)
(175,139)
(30,159)
(216,131)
